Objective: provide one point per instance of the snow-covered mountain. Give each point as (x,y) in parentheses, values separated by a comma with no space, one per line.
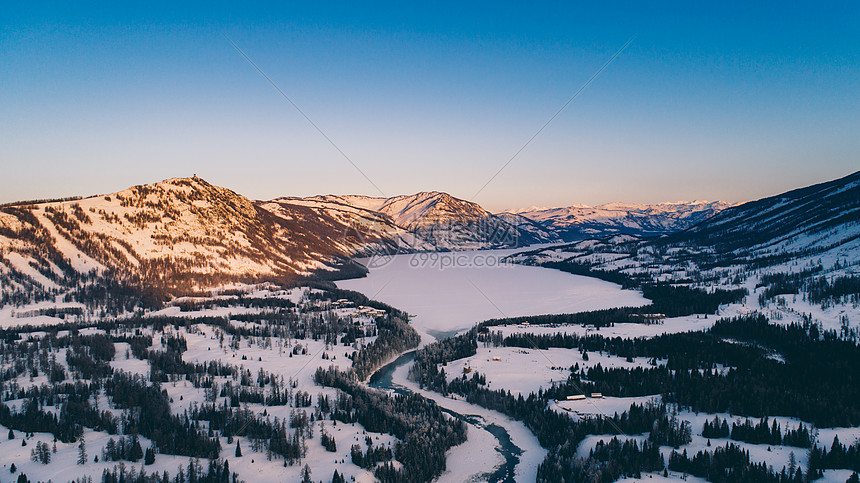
(581,221)
(179,235)
(439,221)
(184,235)
(816,226)
(807,220)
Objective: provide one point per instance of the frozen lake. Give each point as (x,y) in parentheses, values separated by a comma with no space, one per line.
(451,291)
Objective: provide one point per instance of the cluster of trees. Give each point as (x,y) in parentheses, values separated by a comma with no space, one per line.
(729,464)
(678,300)
(607,461)
(423,431)
(838,457)
(716,429)
(821,289)
(127,449)
(395,336)
(370,458)
(814,287)
(328,442)
(669,300)
(668,430)
(218,471)
(74,412)
(148,414)
(277,438)
(813,381)
(759,433)
(41,453)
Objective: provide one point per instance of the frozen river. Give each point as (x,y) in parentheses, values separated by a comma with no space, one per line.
(449,292)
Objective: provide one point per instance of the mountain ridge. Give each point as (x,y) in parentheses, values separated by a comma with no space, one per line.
(182,235)
(814,229)
(577,222)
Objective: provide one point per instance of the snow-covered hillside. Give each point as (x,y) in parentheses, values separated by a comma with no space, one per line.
(796,254)
(179,235)
(230,380)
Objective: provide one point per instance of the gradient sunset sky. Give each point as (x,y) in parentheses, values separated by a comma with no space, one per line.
(716,100)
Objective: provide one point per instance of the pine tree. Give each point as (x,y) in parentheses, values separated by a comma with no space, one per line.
(136,452)
(792,463)
(149,456)
(238,449)
(306,474)
(82,451)
(11,434)
(13,469)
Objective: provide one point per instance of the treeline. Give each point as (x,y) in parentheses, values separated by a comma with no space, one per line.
(838,457)
(151,417)
(821,289)
(370,458)
(597,318)
(817,289)
(217,471)
(75,411)
(743,365)
(276,438)
(666,299)
(607,461)
(731,464)
(679,300)
(241,300)
(759,433)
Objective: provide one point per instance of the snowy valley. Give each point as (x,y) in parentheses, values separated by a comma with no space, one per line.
(181,332)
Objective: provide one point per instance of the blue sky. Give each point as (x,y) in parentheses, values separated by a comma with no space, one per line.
(710,101)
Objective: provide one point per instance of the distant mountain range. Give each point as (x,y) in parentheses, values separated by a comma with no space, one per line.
(812,228)
(578,222)
(185,235)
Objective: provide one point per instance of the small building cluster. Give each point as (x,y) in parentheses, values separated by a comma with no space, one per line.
(580,397)
(364,310)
